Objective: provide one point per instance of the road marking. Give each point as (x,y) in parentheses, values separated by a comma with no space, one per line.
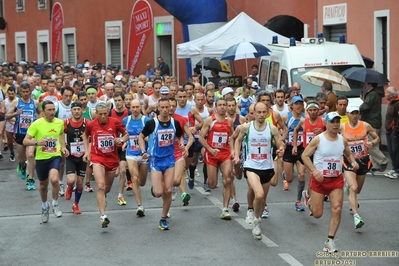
(289,259)
(268,242)
(215,201)
(201,190)
(244,223)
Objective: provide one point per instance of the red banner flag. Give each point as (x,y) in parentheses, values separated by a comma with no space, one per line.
(140,28)
(57,24)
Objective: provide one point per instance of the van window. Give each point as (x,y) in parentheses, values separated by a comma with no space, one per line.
(273,76)
(283,80)
(264,69)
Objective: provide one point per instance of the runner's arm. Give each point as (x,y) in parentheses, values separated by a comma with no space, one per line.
(295,136)
(204,132)
(308,152)
(238,140)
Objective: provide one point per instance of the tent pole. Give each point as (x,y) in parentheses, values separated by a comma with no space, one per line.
(178,71)
(246,65)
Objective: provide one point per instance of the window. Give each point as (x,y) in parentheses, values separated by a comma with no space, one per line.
(113,42)
(1,8)
(20,46)
(42,4)
(381,42)
(43,52)
(264,69)
(20,7)
(3,52)
(283,80)
(273,75)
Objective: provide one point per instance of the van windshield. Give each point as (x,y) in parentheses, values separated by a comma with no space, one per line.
(310,90)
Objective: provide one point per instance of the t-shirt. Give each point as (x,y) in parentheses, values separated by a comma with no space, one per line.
(51,131)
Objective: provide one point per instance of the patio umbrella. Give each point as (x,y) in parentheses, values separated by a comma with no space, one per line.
(365,75)
(212,63)
(317,77)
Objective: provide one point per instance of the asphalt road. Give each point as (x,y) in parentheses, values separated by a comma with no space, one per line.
(197,236)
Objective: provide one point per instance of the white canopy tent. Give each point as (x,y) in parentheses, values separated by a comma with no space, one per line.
(241,28)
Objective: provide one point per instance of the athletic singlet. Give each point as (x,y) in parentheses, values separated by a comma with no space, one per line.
(87,114)
(63,112)
(134,128)
(237,121)
(47,97)
(271,119)
(184,113)
(163,139)
(308,130)
(191,102)
(7,105)
(357,139)
(258,148)
(74,141)
(141,100)
(284,111)
(119,115)
(24,120)
(245,103)
(204,114)
(93,105)
(151,101)
(291,124)
(219,135)
(50,131)
(327,158)
(106,99)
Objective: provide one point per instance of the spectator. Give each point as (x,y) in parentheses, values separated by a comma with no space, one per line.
(332,98)
(392,130)
(149,71)
(163,67)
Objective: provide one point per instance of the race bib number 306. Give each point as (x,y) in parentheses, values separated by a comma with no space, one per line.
(106,143)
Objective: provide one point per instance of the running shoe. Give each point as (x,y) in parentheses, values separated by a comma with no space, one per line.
(347,188)
(5,148)
(394,176)
(190,183)
(305,198)
(75,208)
(163,224)
(250,216)
(23,170)
(200,158)
(257,232)
(56,210)
(286,186)
(61,193)
(104,221)
(225,215)
(45,213)
(206,188)
(326,199)
(1,157)
(88,188)
(235,205)
(129,186)
(30,183)
(329,246)
(152,192)
(68,192)
(121,201)
(265,213)
(358,221)
(390,173)
(299,207)
(174,193)
(20,173)
(12,157)
(185,198)
(197,174)
(140,211)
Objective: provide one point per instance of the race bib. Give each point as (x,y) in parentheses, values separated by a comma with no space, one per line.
(134,143)
(50,145)
(309,136)
(332,167)
(291,138)
(357,148)
(25,120)
(106,143)
(219,139)
(77,148)
(166,137)
(258,151)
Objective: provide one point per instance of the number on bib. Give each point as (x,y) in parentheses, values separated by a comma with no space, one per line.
(106,143)
(258,151)
(50,145)
(134,143)
(219,139)
(357,148)
(25,120)
(165,137)
(77,148)
(332,167)
(309,136)
(291,138)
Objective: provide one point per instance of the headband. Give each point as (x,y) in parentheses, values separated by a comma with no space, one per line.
(91,90)
(315,105)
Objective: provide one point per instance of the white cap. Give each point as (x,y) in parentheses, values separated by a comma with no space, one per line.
(227,90)
(352,108)
(118,78)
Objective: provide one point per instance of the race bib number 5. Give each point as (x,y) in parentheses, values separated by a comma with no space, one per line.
(106,143)
(50,145)
(77,148)
(219,139)
(332,167)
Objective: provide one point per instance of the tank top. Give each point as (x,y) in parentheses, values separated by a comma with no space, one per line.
(28,116)
(291,124)
(119,115)
(151,101)
(134,128)
(327,158)
(141,100)
(283,112)
(63,112)
(237,121)
(204,114)
(7,104)
(258,148)
(163,139)
(73,134)
(308,130)
(245,103)
(219,135)
(87,114)
(271,119)
(93,105)
(357,139)
(184,113)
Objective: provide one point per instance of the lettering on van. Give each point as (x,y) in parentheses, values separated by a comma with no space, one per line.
(339,63)
(312,64)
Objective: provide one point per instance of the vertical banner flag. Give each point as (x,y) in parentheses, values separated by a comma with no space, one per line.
(57,24)
(140,28)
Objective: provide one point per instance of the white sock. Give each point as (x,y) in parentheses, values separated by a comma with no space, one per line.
(44,205)
(55,202)
(61,183)
(120,195)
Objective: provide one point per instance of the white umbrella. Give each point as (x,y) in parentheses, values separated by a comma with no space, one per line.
(317,77)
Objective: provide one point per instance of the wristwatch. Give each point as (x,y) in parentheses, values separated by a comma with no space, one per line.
(36,142)
(142,153)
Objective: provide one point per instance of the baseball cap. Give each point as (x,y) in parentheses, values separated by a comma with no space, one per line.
(255,85)
(296,99)
(330,116)
(76,104)
(227,90)
(352,108)
(93,80)
(164,90)
(119,77)
(292,88)
(79,65)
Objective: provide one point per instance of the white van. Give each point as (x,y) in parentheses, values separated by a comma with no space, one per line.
(287,63)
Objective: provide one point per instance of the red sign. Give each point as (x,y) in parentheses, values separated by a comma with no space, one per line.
(140,28)
(57,24)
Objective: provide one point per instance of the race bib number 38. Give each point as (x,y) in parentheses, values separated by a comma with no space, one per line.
(165,137)
(50,145)
(219,139)
(332,167)
(106,143)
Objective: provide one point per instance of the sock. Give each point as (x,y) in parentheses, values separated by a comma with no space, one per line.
(103,216)
(355,215)
(250,208)
(61,183)
(78,194)
(301,187)
(120,195)
(55,202)
(87,183)
(44,205)
(192,171)
(205,172)
(225,209)
(330,237)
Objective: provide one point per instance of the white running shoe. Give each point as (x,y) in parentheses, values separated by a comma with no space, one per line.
(45,213)
(257,232)
(329,246)
(61,193)
(56,210)
(265,213)
(174,193)
(250,217)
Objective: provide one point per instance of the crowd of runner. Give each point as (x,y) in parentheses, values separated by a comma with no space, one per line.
(88,120)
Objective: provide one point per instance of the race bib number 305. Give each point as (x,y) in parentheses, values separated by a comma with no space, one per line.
(219,139)
(106,143)
(166,137)
(332,167)
(50,145)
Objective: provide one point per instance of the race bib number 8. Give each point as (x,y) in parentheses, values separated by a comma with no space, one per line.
(258,151)
(106,143)
(77,148)
(134,143)
(219,139)
(332,167)
(165,137)
(50,145)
